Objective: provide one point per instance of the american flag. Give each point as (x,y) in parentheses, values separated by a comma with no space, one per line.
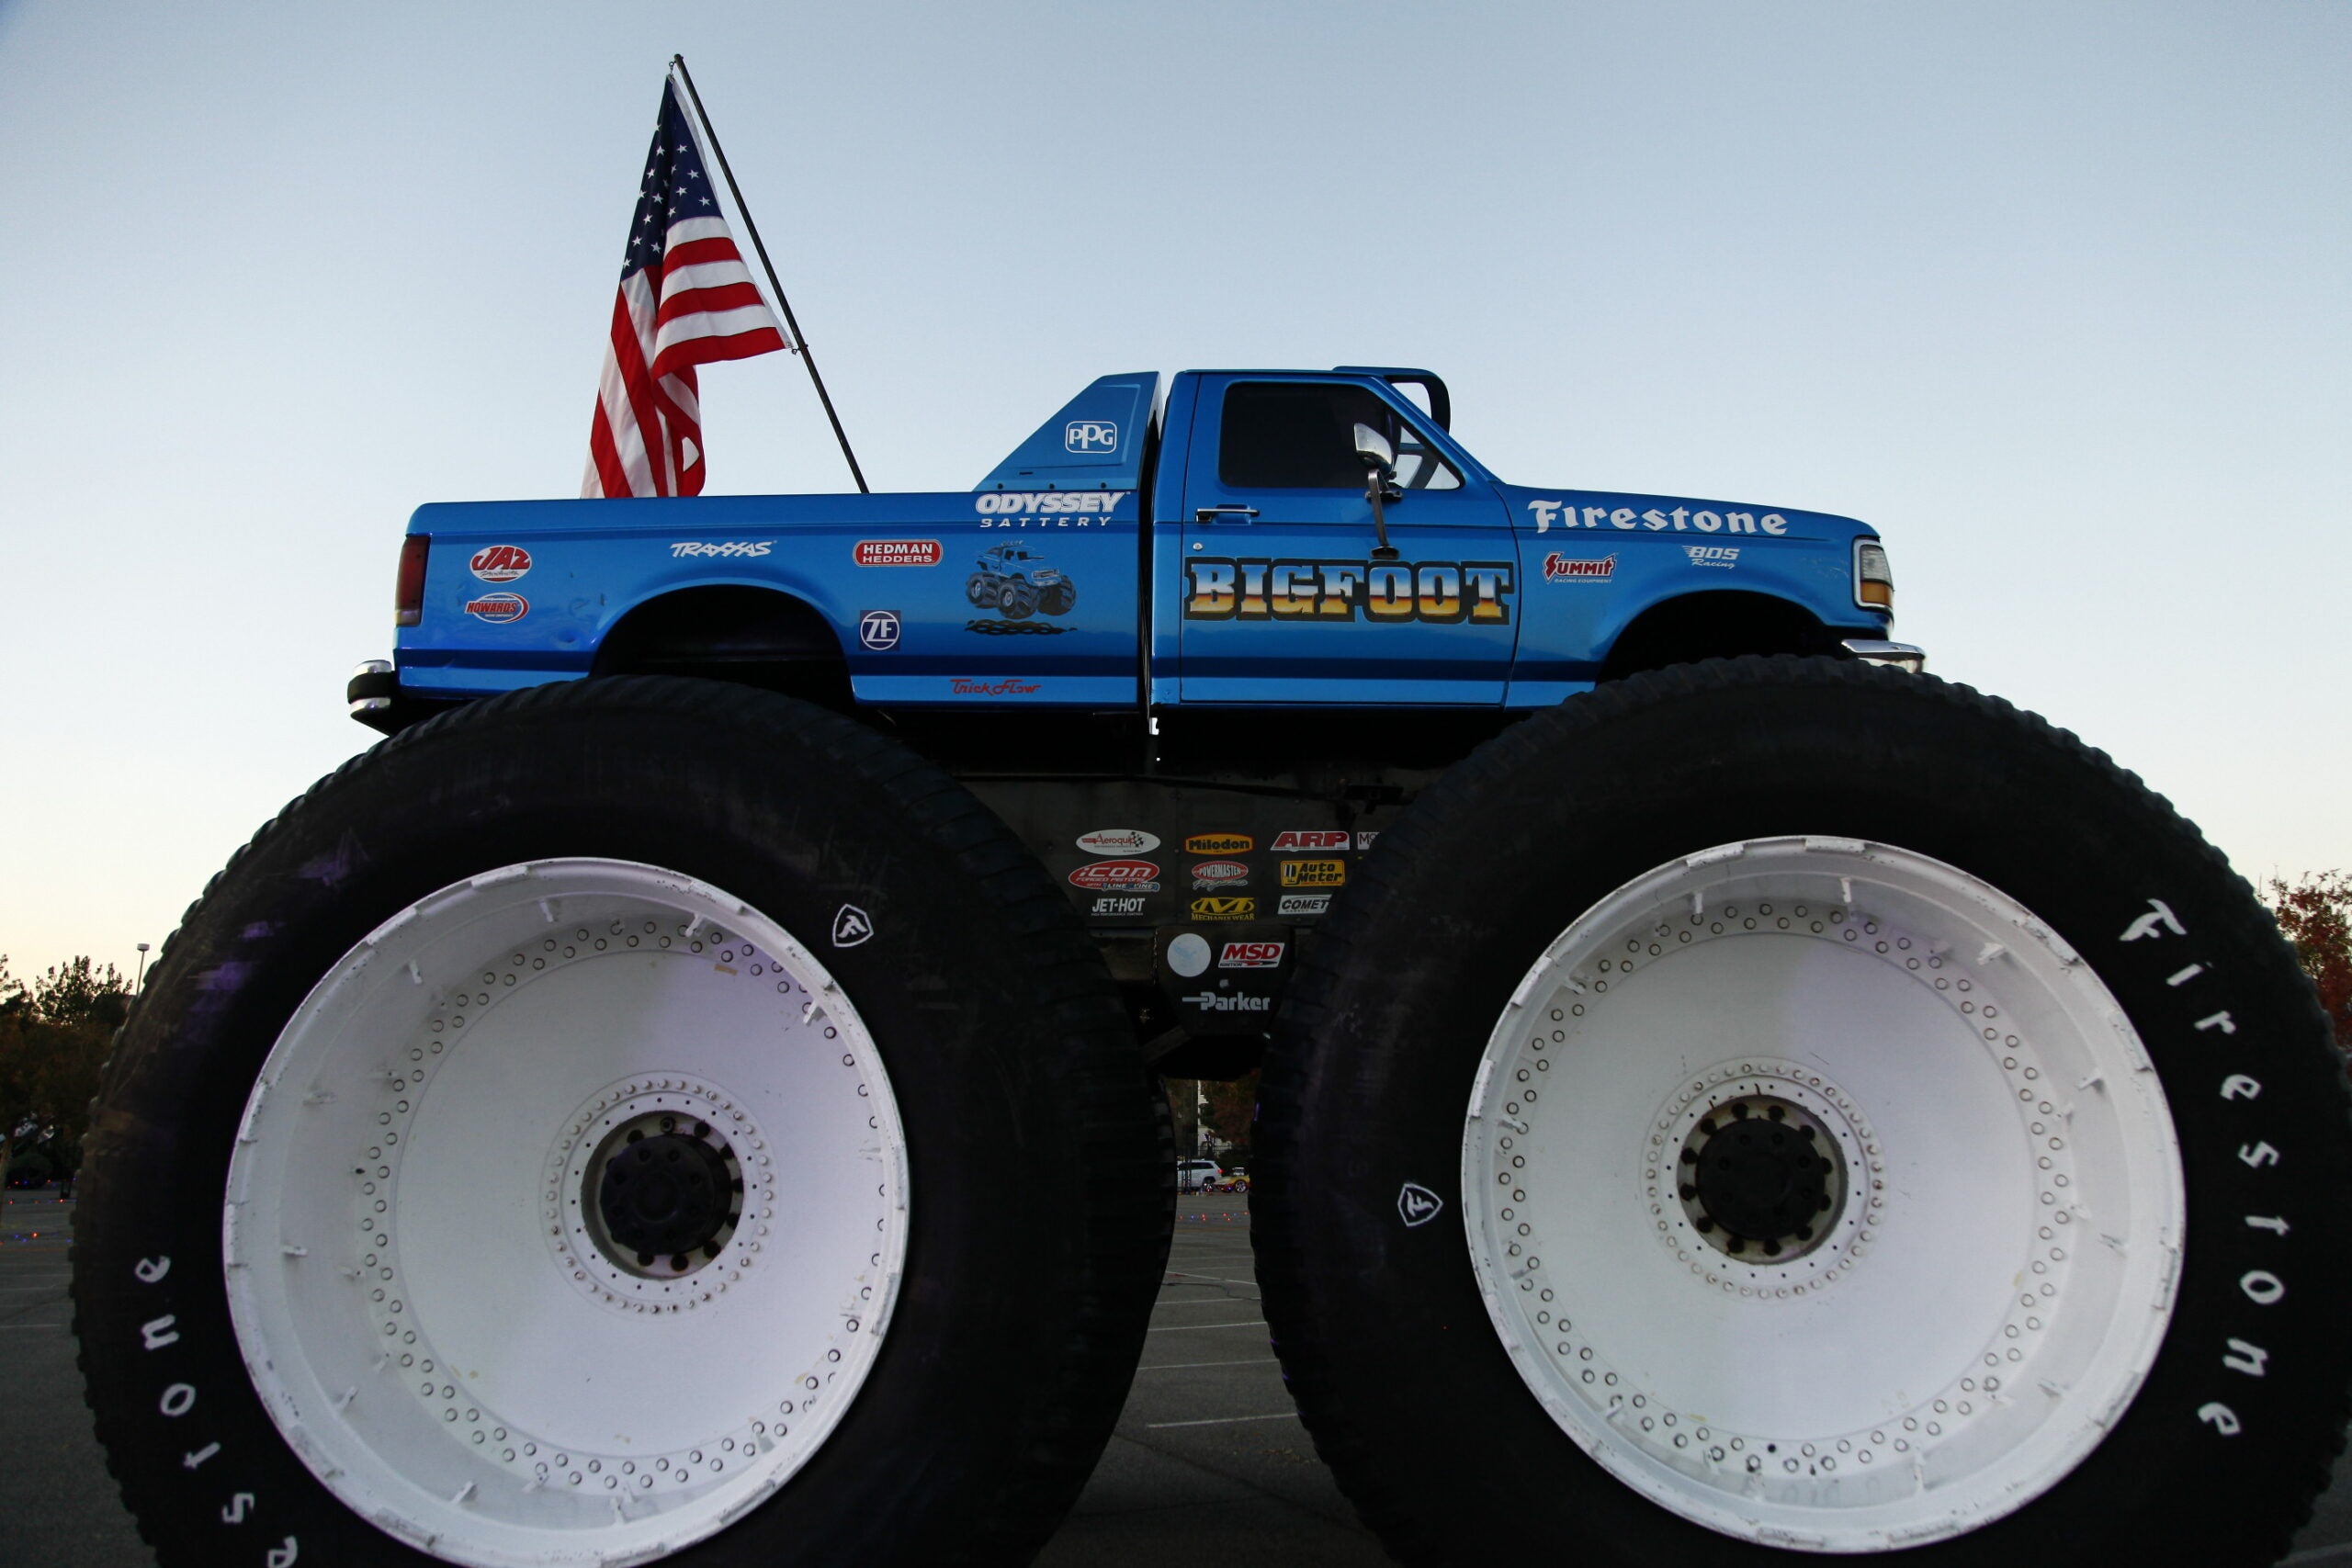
(686,300)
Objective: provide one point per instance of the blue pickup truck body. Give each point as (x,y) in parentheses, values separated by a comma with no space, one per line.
(1186,580)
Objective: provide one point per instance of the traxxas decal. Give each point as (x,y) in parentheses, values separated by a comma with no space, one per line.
(1337,591)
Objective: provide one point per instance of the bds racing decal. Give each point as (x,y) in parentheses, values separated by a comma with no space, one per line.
(500,563)
(1117,877)
(498,608)
(1225,909)
(898,552)
(1339,591)
(1711,555)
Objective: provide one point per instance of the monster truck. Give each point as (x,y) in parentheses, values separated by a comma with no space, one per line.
(1016,579)
(1731,1096)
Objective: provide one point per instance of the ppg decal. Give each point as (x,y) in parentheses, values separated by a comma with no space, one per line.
(1088,437)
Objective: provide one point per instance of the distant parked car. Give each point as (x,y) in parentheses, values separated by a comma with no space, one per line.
(1234,1180)
(1195,1175)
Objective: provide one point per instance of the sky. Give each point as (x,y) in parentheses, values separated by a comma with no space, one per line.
(2057,298)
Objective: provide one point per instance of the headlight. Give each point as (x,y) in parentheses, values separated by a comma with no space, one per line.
(1873,581)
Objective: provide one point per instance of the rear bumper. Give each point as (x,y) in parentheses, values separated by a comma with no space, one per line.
(1909,657)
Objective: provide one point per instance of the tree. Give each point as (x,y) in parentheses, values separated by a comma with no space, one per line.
(54,1036)
(2316,915)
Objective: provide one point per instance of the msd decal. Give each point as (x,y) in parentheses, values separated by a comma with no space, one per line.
(1225,909)
(1559,567)
(1117,877)
(898,552)
(1118,842)
(1210,876)
(1333,840)
(1251,954)
(500,563)
(1336,591)
(1626,519)
(496,608)
(1314,872)
(1219,844)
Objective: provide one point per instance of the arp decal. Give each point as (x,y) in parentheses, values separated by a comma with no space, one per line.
(1219,844)
(1211,875)
(1251,954)
(1049,507)
(1008,687)
(1089,436)
(1305,902)
(1559,567)
(500,563)
(731,549)
(1117,905)
(898,552)
(497,608)
(1711,555)
(1117,877)
(1331,838)
(1626,519)
(878,629)
(1118,842)
(1337,591)
(1314,872)
(1234,1002)
(1225,909)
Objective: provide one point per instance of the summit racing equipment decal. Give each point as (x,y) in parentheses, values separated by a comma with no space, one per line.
(1117,877)
(1627,519)
(500,563)
(1711,555)
(1251,954)
(1314,872)
(729,551)
(898,552)
(498,608)
(1118,842)
(1225,909)
(1210,876)
(1334,592)
(1329,839)
(1219,844)
(1048,507)
(1559,567)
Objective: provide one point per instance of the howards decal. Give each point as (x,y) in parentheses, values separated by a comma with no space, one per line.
(1118,842)
(1117,877)
(500,563)
(723,550)
(1626,519)
(1209,876)
(498,608)
(1219,844)
(898,552)
(1314,872)
(1336,591)
(1225,909)
(1559,567)
(1328,839)
(878,629)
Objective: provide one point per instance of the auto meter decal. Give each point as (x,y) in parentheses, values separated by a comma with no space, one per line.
(1211,875)
(898,552)
(500,563)
(1219,844)
(1330,839)
(1118,842)
(1335,592)
(498,608)
(1251,954)
(1314,872)
(1225,909)
(1117,877)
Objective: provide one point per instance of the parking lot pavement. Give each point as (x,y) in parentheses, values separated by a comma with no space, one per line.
(1209,1463)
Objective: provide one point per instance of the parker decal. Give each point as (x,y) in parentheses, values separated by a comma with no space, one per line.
(1118,842)
(1049,507)
(1306,903)
(1314,872)
(1328,839)
(1569,515)
(1235,1001)
(498,608)
(1337,591)
(1225,909)
(1559,567)
(1711,555)
(732,549)
(1219,844)
(898,552)
(1117,877)
(500,563)
(1251,954)
(878,629)
(1210,876)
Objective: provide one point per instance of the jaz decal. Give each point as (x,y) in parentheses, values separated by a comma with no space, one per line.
(1118,842)
(1624,518)
(1118,907)
(500,563)
(852,926)
(1222,1001)
(1225,909)
(1219,844)
(1117,877)
(898,552)
(1047,508)
(1559,567)
(1331,838)
(1210,876)
(1336,591)
(1314,872)
(1251,954)
(1305,902)
(498,608)
(878,629)
(1711,555)
(725,550)
(1008,687)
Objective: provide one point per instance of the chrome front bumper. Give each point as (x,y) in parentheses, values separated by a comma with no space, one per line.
(1909,657)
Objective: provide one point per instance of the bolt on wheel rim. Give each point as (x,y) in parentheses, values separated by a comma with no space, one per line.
(1955,1264)
(565,1216)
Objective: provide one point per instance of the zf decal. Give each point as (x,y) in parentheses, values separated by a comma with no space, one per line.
(1559,567)
(1344,591)
(1219,844)
(500,563)
(878,629)
(1314,872)
(498,608)
(1626,519)
(898,552)
(1117,877)
(1225,909)
(1329,839)
(1251,954)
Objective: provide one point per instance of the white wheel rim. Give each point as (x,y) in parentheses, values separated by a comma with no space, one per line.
(2000,1267)
(422,1286)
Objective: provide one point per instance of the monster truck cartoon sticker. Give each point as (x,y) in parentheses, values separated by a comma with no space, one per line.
(1017,581)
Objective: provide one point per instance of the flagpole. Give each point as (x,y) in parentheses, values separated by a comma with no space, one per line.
(800,343)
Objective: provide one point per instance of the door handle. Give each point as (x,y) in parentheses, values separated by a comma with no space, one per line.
(1224,514)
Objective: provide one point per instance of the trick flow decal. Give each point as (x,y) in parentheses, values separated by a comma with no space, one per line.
(1627,519)
(1334,592)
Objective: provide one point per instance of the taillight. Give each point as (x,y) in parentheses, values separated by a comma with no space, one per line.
(408,596)
(1873,581)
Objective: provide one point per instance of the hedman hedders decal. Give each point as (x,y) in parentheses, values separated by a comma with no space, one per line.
(1626,518)
(1477,591)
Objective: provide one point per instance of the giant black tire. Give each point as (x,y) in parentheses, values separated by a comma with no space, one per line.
(1455,1445)
(1002,1360)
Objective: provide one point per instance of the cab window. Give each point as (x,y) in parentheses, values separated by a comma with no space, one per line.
(1301,435)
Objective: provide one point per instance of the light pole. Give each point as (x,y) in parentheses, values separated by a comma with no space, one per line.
(141,983)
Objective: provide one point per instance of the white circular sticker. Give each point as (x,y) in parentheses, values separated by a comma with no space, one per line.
(1189,954)
(1118,842)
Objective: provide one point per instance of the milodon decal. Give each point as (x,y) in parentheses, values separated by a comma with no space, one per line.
(1118,842)
(1219,844)
(1117,877)
(1335,592)
(498,608)
(1559,567)
(1225,909)
(1323,838)
(1017,581)
(1625,519)
(898,552)
(1047,508)
(500,563)
(1314,872)
(731,549)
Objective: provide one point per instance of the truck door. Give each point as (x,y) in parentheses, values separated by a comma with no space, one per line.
(1281,600)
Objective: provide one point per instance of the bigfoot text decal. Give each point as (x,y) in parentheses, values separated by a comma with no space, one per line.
(1476,592)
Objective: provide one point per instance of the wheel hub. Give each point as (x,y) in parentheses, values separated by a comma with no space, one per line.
(665,1189)
(1762,1178)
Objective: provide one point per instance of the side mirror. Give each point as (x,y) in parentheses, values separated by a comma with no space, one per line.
(1379,461)
(1372,449)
